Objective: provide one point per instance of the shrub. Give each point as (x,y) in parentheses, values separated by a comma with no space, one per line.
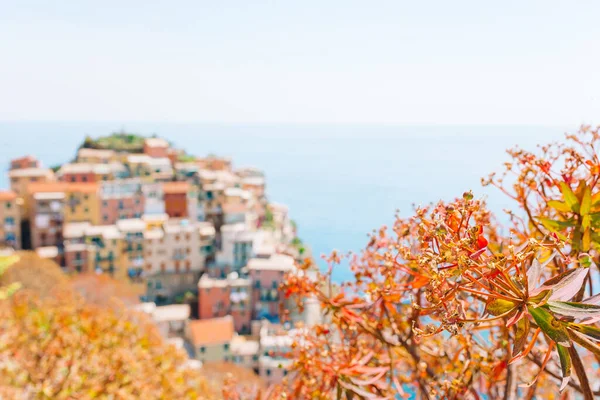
(444,305)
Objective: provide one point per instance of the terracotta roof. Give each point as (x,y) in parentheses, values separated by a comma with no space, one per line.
(176,187)
(211,331)
(7,195)
(46,187)
(61,187)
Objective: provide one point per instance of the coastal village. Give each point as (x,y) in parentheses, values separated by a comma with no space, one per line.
(198,240)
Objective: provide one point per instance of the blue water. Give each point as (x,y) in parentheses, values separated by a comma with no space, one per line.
(340,182)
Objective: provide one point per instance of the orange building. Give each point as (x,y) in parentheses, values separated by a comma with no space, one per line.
(229,296)
(176,204)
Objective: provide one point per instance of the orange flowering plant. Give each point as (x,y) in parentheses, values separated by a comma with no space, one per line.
(444,305)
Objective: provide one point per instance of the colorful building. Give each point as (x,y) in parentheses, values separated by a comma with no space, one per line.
(211,338)
(237,246)
(121,199)
(105,244)
(85,172)
(20,179)
(156,147)
(96,156)
(77,258)
(176,199)
(267,274)
(133,236)
(175,257)
(82,203)
(24,162)
(10,220)
(229,296)
(47,217)
(238,207)
(215,163)
(154,202)
(149,168)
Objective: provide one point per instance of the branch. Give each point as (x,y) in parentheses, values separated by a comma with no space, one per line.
(581,374)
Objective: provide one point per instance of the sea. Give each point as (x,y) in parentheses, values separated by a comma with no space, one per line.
(339,181)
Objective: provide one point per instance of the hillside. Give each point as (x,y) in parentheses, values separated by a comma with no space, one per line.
(118,141)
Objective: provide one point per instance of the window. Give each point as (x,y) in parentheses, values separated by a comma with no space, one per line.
(105,217)
(8,204)
(85,197)
(257,284)
(9,221)
(148,266)
(86,210)
(78,256)
(84,178)
(72,179)
(177,237)
(188,266)
(203,349)
(163,267)
(188,236)
(268,372)
(226,347)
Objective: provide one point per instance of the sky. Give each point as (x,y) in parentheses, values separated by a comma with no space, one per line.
(340,62)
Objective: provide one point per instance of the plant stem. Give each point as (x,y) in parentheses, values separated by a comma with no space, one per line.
(581,374)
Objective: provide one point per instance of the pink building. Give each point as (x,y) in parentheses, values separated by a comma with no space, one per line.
(121,199)
(267,274)
(24,162)
(229,296)
(76,257)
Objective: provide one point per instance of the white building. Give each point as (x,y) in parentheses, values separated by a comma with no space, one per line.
(154,202)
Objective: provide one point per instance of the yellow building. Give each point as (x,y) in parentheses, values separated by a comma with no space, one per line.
(106,253)
(20,179)
(82,203)
(10,220)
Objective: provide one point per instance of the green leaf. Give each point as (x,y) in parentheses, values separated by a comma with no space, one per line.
(587,330)
(521,332)
(551,326)
(499,306)
(557,226)
(540,299)
(570,197)
(586,201)
(595,217)
(559,206)
(565,365)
